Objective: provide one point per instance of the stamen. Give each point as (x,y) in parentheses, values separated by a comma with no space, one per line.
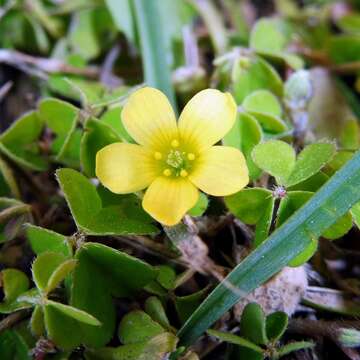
(191,156)
(175,143)
(158,155)
(183,173)
(167,172)
(175,159)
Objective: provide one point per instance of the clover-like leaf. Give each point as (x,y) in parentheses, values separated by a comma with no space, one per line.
(95,219)
(276,324)
(244,135)
(96,136)
(275,157)
(42,240)
(257,74)
(310,161)
(155,308)
(60,274)
(19,142)
(235,339)
(62,117)
(249,204)
(44,266)
(137,326)
(253,324)
(102,272)
(262,101)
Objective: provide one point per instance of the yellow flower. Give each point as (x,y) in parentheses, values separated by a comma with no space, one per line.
(174,159)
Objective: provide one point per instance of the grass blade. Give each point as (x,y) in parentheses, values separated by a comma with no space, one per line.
(152,43)
(333,200)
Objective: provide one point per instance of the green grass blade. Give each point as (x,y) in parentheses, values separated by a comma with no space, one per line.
(152,43)
(333,200)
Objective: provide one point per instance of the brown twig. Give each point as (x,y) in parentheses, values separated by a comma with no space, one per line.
(5,89)
(12,319)
(41,66)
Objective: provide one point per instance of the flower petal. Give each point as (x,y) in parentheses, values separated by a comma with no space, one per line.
(168,199)
(207,117)
(124,168)
(149,118)
(220,171)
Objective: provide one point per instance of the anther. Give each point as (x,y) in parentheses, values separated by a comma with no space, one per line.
(175,143)
(191,156)
(158,155)
(183,173)
(167,172)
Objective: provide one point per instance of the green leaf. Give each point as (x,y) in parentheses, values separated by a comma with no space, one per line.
(253,323)
(350,22)
(305,255)
(137,326)
(200,206)
(331,202)
(241,352)
(257,74)
(14,282)
(89,214)
(186,305)
(291,203)
(341,227)
(249,205)
(267,36)
(74,313)
(44,266)
(13,346)
(37,321)
(102,272)
(270,37)
(112,117)
(355,212)
(264,224)
(166,276)
(61,117)
(234,339)
(156,348)
(8,184)
(121,12)
(43,240)
(60,274)
(262,101)
(294,346)
(310,161)
(97,135)
(276,324)
(311,184)
(344,48)
(18,142)
(275,157)
(153,49)
(244,135)
(155,309)
(271,124)
(350,135)
(60,325)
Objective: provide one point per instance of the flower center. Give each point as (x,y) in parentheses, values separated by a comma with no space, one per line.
(176,161)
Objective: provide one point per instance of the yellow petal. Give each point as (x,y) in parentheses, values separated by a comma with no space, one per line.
(220,171)
(167,199)
(207,117)
(124,168)
(149,118)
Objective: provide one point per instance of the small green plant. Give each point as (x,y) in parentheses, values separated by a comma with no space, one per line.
(260,336)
